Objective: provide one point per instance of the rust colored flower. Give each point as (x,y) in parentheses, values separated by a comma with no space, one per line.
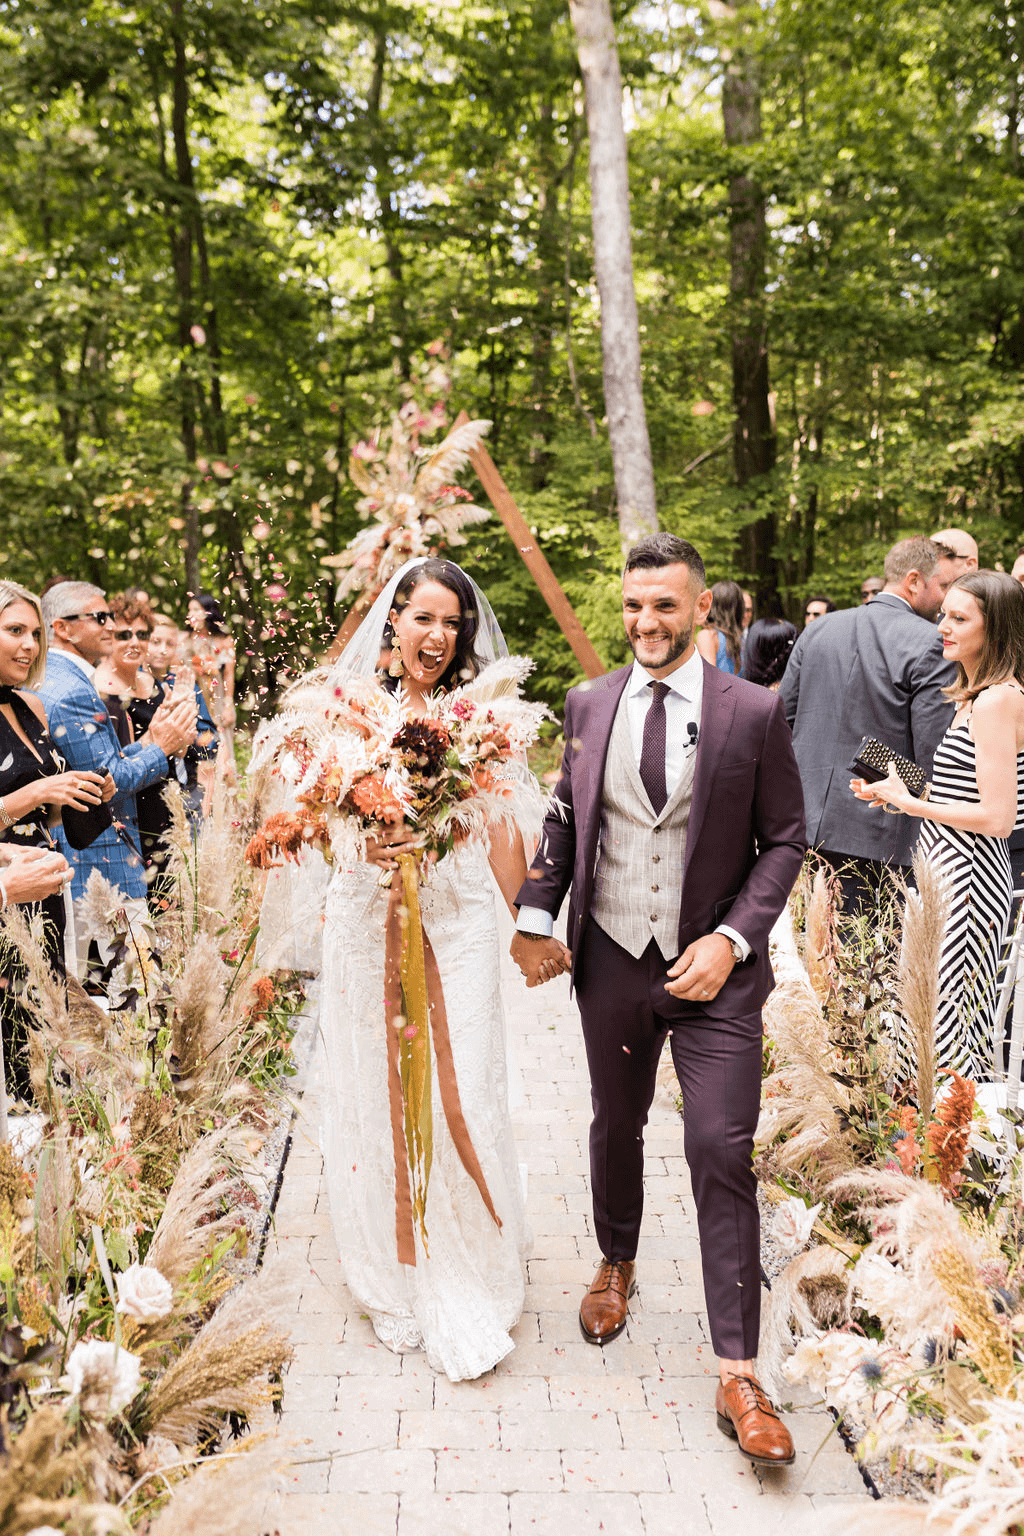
(371,797)
(948,1133)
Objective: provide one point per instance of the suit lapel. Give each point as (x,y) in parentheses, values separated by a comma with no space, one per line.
(716,715)
(602,703)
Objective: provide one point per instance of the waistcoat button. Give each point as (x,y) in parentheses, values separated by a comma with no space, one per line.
(655,858)
(654,887)
(654,917)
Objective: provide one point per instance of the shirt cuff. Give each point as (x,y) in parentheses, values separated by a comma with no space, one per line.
(731,933)
(535,920)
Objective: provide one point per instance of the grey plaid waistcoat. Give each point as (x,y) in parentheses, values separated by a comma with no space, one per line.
(639,880)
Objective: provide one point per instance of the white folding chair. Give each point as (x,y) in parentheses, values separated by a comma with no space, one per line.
(1011,991)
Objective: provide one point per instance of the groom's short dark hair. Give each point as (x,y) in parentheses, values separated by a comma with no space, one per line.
(659,549)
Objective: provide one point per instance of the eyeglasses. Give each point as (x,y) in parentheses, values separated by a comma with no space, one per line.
(127,634)
(101,617)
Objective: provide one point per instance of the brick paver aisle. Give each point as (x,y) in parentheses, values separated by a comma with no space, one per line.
(562,1437)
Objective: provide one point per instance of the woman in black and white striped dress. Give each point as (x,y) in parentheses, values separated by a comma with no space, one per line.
(976,801)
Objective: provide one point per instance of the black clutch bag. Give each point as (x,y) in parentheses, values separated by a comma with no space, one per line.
(83,827)
(873,761)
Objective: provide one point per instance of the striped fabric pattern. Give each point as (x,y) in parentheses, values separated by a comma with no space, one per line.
(977,871)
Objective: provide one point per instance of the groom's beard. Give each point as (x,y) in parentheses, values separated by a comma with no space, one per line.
(671,650)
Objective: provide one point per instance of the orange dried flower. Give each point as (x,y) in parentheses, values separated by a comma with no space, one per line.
(948,1133)
(373,799)
(285,834)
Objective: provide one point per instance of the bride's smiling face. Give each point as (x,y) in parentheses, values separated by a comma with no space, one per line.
(427,629)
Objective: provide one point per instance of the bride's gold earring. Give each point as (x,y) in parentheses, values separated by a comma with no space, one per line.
(397,667)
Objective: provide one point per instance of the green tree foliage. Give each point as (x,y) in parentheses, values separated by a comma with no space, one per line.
(230,231)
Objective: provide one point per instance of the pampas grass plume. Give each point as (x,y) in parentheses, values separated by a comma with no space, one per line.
(228,1365)
(927,911)
(818,936)
(190,1224)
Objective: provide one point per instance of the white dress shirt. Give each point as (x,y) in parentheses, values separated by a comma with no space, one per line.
(682,708)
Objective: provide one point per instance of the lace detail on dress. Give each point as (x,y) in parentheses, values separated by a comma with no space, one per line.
(465,1296)
(400,1334)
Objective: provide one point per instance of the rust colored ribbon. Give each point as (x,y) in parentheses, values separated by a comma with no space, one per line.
(404,935)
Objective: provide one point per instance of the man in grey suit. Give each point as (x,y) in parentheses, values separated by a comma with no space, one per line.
(874,670)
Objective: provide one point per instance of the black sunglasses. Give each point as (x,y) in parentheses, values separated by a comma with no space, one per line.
(126,634)
(100,618)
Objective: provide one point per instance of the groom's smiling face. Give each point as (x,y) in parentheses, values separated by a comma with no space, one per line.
(660,609)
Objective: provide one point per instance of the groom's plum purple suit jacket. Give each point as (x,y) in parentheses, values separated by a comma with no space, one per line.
(746,838)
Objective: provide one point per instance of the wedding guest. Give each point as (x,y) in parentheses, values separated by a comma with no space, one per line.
(963,545)
(767,652)
(33,788)
(817,607)
(870,587)
(163,679)
(876,670)
(720,642)
(79,636)
(210,651)
(976,802)
(119,677)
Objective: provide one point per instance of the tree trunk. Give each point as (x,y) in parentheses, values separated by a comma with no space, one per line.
(613,266)
(390,216)
(181,257)
(754,427)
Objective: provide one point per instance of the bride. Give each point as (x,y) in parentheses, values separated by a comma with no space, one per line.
(431,629)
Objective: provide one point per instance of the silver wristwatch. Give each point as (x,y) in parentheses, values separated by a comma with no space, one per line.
(737,952)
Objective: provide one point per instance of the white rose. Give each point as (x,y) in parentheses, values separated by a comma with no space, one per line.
(144,1294)
(43,1530)
(793,1224)
(103,1377)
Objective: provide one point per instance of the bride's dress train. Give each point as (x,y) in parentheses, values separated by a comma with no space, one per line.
(459,1302)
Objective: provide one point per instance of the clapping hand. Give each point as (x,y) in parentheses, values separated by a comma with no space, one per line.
(173,726)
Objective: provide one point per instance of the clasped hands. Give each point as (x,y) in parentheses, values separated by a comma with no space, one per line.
(696,977)
(32,874)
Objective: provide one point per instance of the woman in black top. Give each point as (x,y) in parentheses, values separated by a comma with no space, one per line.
(33,788)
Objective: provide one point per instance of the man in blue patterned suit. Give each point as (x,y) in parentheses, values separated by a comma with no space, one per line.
(78,626)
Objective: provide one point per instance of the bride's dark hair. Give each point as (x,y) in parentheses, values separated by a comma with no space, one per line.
(465,663)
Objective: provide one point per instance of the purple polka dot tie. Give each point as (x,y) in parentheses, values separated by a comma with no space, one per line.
(652,753)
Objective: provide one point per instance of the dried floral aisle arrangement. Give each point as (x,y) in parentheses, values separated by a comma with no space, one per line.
(135,1341)
(900,1210)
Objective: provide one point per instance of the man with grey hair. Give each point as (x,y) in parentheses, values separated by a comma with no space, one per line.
(874,670)
(79,631)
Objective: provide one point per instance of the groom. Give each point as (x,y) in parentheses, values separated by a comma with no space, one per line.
(678,825)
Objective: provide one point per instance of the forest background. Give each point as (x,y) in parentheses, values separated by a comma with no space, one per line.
(235,234)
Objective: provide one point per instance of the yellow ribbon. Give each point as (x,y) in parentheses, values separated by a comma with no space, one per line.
(415,1008)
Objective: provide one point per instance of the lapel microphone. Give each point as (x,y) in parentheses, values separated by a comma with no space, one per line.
(692,732)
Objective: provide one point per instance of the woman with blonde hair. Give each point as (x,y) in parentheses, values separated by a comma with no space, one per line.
(976,801)
(34,790)
(720,642)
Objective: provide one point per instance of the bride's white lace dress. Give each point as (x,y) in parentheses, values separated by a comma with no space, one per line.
(460,1302)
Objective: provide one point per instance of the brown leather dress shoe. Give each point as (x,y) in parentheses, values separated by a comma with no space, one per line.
(606,1304)
(745,1414)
